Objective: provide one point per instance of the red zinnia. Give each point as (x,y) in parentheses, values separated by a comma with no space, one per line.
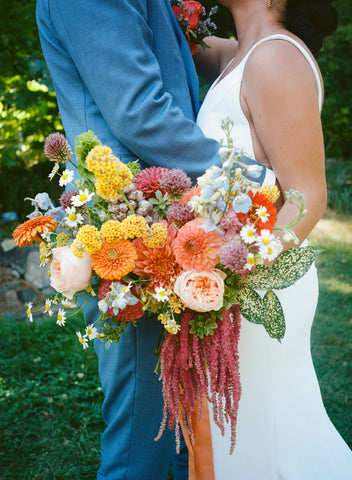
(259,200)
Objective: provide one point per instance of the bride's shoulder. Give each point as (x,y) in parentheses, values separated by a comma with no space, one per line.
(281,61)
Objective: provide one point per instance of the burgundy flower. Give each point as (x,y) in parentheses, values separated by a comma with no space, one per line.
(175,182)
(147,180)
(179,214)
(57,148)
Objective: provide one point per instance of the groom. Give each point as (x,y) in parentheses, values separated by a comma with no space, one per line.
(123,69)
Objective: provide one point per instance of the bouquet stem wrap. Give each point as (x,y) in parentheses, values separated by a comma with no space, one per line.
(193,368)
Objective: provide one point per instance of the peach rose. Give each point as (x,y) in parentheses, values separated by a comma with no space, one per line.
(69,274)
(201,291)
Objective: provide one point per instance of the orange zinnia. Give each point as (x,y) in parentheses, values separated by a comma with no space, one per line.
(30,231)
(114,259)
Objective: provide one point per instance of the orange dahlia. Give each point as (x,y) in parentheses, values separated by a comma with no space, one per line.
(158,264)
(30,231)
(114,259)
(195,249)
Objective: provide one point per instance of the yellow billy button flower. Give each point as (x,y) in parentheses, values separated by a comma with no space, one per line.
(271,192)
(134,226)
(112,230)
(156,236)
(89,237)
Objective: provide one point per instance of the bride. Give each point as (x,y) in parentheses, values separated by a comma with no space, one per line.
(269,84)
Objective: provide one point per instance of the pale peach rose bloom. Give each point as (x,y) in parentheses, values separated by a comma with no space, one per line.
(201,291)
(69,274)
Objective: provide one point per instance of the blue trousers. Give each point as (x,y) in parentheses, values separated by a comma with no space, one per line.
(132,409)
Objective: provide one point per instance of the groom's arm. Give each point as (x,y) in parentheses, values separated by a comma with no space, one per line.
(111,46)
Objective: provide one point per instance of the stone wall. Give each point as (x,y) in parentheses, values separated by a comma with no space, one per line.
(21,278)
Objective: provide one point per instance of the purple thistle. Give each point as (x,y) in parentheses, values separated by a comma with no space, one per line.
(179,214)
(57,148)
(233,255)
(175,182)
(66,198)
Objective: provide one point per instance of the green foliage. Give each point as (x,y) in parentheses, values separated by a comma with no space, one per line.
(203,326)
(339,181)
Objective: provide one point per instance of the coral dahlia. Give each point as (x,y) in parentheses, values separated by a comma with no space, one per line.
(30,231)
(195,249)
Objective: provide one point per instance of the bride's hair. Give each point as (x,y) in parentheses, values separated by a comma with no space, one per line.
(311,20)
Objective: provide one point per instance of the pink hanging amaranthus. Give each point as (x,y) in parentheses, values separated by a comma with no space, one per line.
(194,368)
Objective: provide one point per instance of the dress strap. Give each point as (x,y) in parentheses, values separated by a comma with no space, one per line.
(304,52)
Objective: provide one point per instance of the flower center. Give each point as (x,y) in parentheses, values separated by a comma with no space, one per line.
(112,254)
(266,241)
(82,197)
(72,217)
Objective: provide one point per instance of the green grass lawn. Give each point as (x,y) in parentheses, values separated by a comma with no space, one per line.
(49,388)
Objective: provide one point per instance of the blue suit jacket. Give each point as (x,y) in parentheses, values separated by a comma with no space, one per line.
(123,69)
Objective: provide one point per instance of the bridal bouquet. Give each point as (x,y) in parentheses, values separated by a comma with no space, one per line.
(194,22)
(148,242)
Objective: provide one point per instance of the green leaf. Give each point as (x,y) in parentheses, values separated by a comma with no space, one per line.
(252,306)
(275,323)
(293,263)
(289,266)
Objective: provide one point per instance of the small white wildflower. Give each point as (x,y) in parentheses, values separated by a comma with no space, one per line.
(262,214)
(61,317)
(91,332)
(82,340)
(161,294)
(29,311)
(248,234)
(81,198)
(250,261)
(54,171)
(73,219)
(66,177)
(47,307)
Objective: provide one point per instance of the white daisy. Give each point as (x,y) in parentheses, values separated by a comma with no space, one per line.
(82,340)
(29,311)
(250,261)
(265,238)
(66,177)
(67,303)
(81,198)
(161,294)
(54,171)
(73,219)
(91,332)
(262,214)
(248,234)
(61,317)
(270,251)
(47,307)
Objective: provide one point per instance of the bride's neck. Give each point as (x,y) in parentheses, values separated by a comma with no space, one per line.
(254,22)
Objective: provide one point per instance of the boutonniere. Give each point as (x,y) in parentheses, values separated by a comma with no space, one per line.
(195,23)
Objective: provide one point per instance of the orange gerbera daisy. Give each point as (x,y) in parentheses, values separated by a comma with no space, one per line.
(195,249)
(114,259)
(30,231)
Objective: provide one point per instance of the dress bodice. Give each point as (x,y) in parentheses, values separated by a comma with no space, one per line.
(223,100)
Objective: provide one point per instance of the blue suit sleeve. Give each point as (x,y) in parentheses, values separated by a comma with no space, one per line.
(111,45)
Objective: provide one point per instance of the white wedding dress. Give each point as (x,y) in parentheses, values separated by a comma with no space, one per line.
(283,431)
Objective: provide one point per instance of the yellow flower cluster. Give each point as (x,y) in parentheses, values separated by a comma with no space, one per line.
(112,175)
(134,226)
(169,322)
(175,304)
(62,239)
(156,236)
(45,253)
(271,192)
(87,241)
(112,230)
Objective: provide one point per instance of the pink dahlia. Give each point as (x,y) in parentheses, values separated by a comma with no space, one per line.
(175,182)
(66,198)
(179,214)
(195,249)
(233,255)
(57,148)
(147,180)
